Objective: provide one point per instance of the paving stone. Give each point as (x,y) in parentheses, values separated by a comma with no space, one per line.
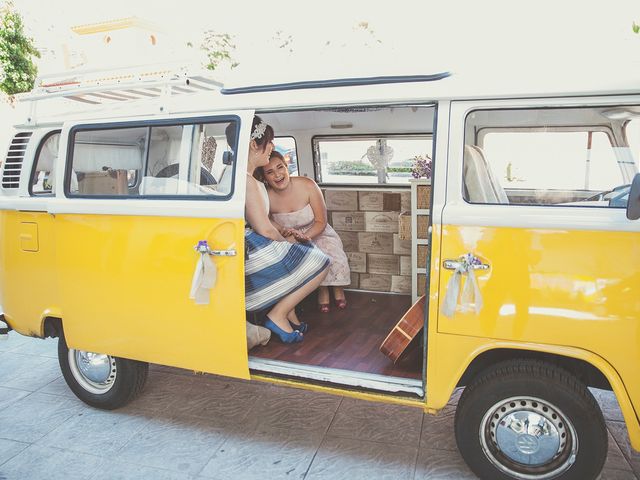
(264,453)
(344,458)
(32,417)
(46,463)
(380,422)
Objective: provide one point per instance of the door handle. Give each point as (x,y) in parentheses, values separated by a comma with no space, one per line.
(465,263)
(203,247)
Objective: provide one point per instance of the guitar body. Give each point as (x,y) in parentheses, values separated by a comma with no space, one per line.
(409,326)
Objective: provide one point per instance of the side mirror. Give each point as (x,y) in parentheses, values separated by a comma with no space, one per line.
(633,205)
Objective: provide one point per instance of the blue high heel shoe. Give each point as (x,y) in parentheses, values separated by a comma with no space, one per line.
(302,328)
(285,337)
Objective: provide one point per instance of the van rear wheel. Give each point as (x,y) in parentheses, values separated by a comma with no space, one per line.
(527,419)
(99,380)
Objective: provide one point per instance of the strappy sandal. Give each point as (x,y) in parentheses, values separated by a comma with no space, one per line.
(323,307)
(341,303)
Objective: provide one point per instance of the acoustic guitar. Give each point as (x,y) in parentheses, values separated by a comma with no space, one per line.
(405,331)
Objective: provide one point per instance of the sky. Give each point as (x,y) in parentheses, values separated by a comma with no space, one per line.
(408,36)
(542,39)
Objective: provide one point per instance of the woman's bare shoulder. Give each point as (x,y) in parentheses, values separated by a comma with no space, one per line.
(304,182)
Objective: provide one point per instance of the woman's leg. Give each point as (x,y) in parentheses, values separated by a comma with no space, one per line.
(323,295)
(338,293)
(279,312)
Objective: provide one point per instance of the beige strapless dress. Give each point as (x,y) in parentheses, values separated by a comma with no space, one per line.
(328,241)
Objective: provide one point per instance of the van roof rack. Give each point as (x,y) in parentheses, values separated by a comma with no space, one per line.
(111,86)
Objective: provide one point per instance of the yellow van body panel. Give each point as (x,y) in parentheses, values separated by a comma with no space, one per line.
(28,258)
(124,286)
(554,290)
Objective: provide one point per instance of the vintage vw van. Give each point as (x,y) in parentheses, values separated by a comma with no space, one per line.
(524,242)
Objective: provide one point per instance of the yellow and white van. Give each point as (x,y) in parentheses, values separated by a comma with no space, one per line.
(524,241)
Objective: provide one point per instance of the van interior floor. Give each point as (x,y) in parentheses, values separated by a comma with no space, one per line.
(349,339)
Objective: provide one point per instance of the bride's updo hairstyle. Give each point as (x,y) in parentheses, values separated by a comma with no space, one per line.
(261,132)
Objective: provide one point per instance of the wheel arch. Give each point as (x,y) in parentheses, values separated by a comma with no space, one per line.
(587,366)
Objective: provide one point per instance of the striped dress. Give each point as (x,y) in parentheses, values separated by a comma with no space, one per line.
(275,269)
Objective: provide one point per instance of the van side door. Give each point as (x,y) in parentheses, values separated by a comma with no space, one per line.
(135,199)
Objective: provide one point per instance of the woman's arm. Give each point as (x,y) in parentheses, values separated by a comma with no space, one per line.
(316,200)
(256,212)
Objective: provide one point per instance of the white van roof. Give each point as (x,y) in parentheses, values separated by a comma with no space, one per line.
(144,91)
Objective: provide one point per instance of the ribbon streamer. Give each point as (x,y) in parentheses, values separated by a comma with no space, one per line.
(204,276)
(471,299)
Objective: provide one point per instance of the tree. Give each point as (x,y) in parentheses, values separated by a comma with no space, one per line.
(218,48)
(16,53)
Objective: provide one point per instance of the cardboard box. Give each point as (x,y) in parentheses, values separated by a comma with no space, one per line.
(370,242)
(370,201)
(381,222)
(349,221)
(341,200)
(357,261)
(400,246)
(349,241)
(383,264)
(405,201)
(391,202)
(377,283)
(401,284)
(405,265)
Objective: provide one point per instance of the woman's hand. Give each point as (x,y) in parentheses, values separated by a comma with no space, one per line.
(300,236)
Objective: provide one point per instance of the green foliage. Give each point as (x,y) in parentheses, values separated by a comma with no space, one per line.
(16,54)
(219,49)
(351,168)
(359,168)
(636,28)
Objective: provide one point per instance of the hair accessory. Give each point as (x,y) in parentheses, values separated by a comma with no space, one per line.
(258,132)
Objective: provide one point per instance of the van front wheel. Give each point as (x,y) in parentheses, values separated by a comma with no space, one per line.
(99,380)
(528,419)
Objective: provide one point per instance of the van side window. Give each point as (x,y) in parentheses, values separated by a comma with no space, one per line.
(151,161)
(43,173)
(373,160)
(287,147)
(567,157)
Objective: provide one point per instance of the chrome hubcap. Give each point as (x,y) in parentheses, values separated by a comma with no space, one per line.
(528,438)
(95,372)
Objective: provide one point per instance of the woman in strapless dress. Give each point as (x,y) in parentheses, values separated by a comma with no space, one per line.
(298,210)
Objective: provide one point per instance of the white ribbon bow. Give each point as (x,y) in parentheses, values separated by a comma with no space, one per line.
(204,276)
(471,299)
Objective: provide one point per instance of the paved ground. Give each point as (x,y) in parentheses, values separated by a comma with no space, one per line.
(205,427)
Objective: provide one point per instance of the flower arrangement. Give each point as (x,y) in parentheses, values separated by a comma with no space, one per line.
(421,166)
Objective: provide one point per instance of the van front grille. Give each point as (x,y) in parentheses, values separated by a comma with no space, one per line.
(13,162)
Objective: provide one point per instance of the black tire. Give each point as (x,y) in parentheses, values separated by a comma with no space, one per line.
(565,436)
(206,178)
(121,380)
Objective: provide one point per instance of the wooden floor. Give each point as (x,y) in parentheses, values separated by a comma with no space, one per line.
(348,339)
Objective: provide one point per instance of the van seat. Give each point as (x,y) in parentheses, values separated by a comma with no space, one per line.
(480,183)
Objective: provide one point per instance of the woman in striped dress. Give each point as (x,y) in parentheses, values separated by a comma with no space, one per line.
(278,274)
